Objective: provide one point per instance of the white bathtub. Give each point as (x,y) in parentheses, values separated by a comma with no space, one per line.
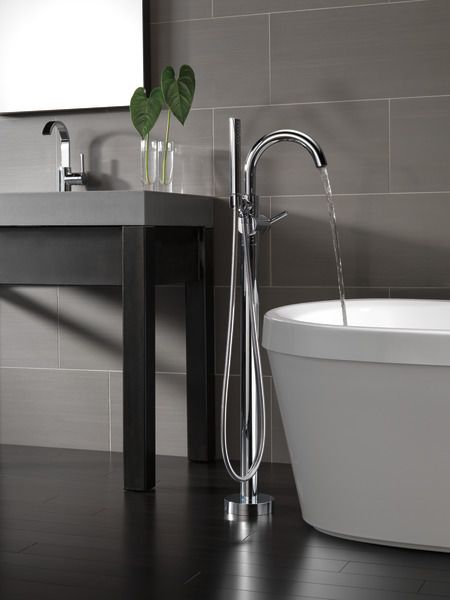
(366,411)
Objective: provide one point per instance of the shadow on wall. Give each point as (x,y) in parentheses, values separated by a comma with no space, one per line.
(102,339)
(97,179)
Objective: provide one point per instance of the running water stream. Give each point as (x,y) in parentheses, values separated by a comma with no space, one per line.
(334,234)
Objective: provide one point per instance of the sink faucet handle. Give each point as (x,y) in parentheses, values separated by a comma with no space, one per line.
(82,174)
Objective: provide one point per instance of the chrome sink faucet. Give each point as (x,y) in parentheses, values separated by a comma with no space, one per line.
(66,178)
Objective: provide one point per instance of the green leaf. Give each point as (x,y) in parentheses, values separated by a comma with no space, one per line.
(145,109)
(178,93)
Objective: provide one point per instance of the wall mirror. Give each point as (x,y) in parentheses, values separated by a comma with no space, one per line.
(59,54)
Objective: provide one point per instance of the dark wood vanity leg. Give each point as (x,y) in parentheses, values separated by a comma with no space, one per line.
(138,285)
(200,355)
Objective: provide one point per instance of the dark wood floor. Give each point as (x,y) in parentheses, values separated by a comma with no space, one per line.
(69,531)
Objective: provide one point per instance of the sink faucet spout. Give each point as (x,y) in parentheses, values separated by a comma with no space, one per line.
(66,178)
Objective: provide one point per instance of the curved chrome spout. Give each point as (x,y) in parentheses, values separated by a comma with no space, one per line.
(64,137)
(66,178)
(282,135)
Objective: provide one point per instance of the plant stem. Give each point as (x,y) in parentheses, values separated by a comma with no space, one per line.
(147,143)
(166,147)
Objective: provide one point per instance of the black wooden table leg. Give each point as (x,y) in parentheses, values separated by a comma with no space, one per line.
(200,355)
(138,284)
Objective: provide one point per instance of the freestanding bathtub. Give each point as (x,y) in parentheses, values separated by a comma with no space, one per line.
(366,412)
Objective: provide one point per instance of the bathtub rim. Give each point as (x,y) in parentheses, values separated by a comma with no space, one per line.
(289,336)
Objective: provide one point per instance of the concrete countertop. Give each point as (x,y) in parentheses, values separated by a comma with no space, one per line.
(109,208)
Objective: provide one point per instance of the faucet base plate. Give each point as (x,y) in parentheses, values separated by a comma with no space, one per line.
(237,506)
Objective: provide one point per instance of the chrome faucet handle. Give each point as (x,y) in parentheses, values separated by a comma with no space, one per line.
(82,163)
(71,179)
(278,217)
(265,223)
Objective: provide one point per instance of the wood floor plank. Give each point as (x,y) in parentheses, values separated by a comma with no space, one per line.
(393,570)
(68,530)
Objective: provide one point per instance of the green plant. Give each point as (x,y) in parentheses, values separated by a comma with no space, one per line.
(175,94)
(178,95)
(145,111)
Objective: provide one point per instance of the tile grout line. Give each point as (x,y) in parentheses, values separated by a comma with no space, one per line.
(109,413)
(270,243)
(313,102)
(58,326)
(271,421)
(25,368)
(270,61)
(389,146)
(213,124)
(351,194)
(284,12)
(321,287)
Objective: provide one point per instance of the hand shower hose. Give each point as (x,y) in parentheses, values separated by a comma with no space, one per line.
(240,214)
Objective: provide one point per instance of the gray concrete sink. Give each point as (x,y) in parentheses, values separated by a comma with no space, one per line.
(96,208)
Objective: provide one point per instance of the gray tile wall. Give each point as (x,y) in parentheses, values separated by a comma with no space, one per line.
(368,78)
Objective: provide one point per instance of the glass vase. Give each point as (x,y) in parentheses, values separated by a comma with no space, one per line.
(166,154)
(149,164)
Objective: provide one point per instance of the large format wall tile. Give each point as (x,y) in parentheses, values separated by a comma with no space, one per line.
(420,134)
(381,51)
(353,136)
(28,326)
(230,57)
(242,7)
(112,151)
(112,148)
(116,411)
(172,10)
(43,407)
(386,240)
(395,244)
(28,161)
(171,416)
(90,322)
(429,293)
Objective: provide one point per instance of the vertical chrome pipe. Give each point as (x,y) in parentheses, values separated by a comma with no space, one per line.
(248,420)
(252,423)
(249,398)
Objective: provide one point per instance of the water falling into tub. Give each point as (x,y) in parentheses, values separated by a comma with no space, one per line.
(334,235)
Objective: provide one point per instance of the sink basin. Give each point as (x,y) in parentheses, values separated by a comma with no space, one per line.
(105,208)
